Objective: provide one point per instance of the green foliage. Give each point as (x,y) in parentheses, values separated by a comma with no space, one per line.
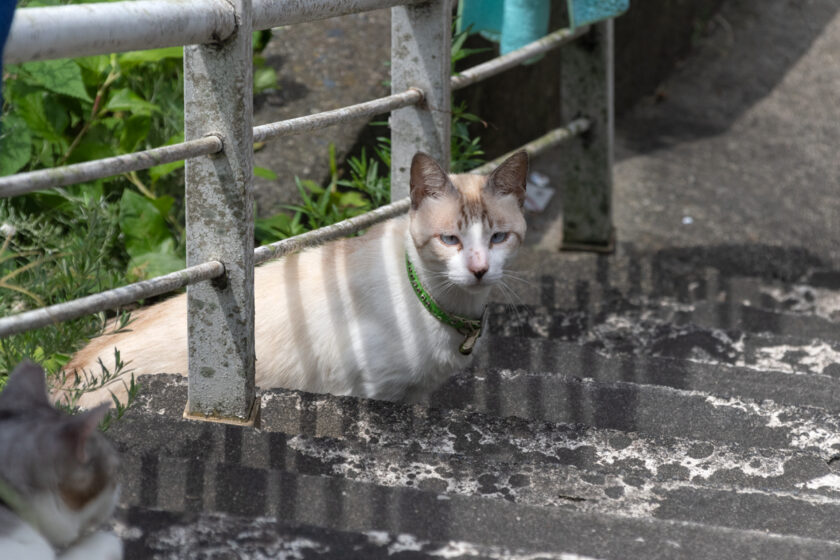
(60,247)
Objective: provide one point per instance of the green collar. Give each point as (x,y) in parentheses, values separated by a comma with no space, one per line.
(470,328)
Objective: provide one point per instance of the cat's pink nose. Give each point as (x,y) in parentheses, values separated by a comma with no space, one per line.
(478,272)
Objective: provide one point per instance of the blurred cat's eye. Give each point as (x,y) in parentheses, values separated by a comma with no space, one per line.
(450,239)
(499,237)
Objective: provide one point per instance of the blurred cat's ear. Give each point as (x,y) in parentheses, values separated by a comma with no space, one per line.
(26,386)
(510,177)
(79,428)
(428,179)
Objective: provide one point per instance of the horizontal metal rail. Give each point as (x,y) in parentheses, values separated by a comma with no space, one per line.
(271,13)
(88,29)
(515,58)
(104,28)
(110,299)
(542,144)
(61,176)
(328,118)
(23,183)
(328,233)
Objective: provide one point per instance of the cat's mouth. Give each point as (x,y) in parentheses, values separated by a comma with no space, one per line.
(476,285)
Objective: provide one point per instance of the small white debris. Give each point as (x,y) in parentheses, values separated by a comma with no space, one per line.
(378,538)
(7,229)
(830,481)
(687,220)
(537,192)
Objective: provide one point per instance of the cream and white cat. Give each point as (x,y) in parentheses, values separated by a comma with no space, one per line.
(344,318)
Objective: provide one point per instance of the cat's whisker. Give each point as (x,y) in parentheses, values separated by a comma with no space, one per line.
(515,276)
(512,305)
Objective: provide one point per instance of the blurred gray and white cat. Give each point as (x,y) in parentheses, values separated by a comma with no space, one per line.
(58,477)
(343,318)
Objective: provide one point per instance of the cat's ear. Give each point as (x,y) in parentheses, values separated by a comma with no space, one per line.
(510,177)
(428,179)
(26,386)
(78,428)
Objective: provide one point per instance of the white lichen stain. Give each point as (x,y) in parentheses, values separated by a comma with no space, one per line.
(829,481)
(808,300)
(809,358)
(807,428)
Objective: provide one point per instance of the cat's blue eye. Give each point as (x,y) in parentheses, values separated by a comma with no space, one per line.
(450,239)
(499,237)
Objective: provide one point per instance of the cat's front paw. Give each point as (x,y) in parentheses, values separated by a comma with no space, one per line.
(100,545)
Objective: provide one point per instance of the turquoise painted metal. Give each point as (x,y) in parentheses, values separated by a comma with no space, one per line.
(584,12)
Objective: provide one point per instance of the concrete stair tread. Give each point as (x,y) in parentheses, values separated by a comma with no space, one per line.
(158,533)
(643,332)
(683,515)
(590,455)
(542,358)
(591,472)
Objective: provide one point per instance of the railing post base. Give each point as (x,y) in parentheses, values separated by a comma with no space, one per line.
(602,248)
(252,421)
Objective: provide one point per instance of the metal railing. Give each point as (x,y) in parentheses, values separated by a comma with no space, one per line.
(218,149)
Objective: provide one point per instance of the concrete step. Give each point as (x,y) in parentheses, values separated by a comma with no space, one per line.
(658,331)
(543,357)
(152,533)
(340,504)
(729,297)
(683,273)
(647,409)
(178,465)
(806,318)
(513,468)
(706,435)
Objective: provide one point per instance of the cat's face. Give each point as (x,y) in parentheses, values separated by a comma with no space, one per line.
(465,227)
(60,465)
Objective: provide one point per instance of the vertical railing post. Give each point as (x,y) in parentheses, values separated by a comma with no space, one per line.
(421,38)
(218,99)
(587,90)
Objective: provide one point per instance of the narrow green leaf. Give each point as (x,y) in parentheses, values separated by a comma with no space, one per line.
(164,169)
(265,173)
(154,55)
(126,100)
(264,79)
(95,64)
